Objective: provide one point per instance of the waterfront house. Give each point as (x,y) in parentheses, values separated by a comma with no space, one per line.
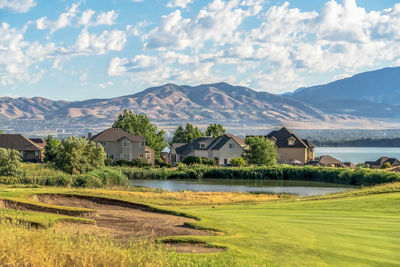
(119,145)
(327,161)
(291,149)
(222,149)
(378,163)
(32,150)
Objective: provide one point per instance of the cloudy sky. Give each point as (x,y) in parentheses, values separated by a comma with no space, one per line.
(103,48)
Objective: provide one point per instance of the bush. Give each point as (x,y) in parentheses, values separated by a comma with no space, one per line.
(135,163)
(386,165)
(238,162)
(77,155)
(10,161)
(190,160)
(210,162)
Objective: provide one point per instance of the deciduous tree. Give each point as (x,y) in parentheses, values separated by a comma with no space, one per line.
(187,134)
(215,130)
(260,151)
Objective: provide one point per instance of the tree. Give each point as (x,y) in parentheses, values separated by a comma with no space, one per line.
(260,151)
(139,124)
(187,134)
(386,165)
(215,130)
(78,155)
(1,132)
(238,162)
(10,161)
(51,149)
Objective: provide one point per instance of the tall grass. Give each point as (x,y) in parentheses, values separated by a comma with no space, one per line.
(21,246)
(281,172)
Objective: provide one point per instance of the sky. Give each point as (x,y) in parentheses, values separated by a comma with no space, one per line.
(76,50)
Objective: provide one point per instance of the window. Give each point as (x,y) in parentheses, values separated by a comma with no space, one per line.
(126,156)
(225,161)
(142,144)
(110,156)
(232,146)
(291,141)
(104,144)
(22,153)
(141,155)
(148,155)
(36,154)
(273,139)
(125,143)
(202,145)
(173,157)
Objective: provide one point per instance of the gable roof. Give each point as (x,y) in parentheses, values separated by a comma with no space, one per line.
(38,142)
(284,134)
(113,135)
(18,142)
(382,160)
(326,160)
(210,143)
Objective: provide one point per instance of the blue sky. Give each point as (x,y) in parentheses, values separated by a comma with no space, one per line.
(76,50)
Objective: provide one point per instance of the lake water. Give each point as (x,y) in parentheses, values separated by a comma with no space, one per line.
(358,154)
(301,188)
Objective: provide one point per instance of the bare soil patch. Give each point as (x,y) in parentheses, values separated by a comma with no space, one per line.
(120,219)
(194,248)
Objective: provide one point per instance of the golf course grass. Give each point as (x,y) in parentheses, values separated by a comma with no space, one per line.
(357,228)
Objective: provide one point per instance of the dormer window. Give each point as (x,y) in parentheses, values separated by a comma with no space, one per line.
(291,141)
(273,139)
(125,143)
(202,145)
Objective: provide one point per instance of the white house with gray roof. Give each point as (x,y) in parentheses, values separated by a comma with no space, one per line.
(222,149)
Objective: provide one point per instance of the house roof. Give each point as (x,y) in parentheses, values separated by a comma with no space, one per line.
(327,160)
(18,142)
(39,142)
(382,160)
(113,135)
(210,143)
(284,134)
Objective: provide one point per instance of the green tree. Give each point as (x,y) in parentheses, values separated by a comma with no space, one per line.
(139,124)
(1,132)
(238,162)
(187,134)
(260,151)
(51,149)
(215,130)
(10,161)
(78,155)
(386,165)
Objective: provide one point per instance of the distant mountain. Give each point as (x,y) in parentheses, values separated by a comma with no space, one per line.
(369,94)
(208,102)
(363,99)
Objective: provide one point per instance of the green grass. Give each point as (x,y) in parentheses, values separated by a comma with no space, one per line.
(356,228)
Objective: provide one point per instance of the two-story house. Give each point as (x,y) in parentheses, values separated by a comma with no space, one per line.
(32,150)
(222,149)
(291,148)
(119,144)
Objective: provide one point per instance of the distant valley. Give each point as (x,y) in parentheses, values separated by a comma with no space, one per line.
(367,100)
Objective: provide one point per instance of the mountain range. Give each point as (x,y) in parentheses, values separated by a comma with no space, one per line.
(370,96)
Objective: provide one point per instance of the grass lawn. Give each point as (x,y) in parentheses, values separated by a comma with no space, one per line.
(348,229)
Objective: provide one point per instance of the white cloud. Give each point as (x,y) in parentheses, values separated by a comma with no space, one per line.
(99,44)
(20,6)
(179,3)
(107,18)
(64,20)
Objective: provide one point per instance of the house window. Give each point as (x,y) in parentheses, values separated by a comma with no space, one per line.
(173,157)
(232,146)
(126,156)
(142,144)
(125,143)
(202,145)
(104,144)
(273,139)
(291,141)
(225,161)
(22,154)
(148,155)
(141,155)
(110,156)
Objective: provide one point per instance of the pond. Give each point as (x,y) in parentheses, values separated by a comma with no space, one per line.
(301,188)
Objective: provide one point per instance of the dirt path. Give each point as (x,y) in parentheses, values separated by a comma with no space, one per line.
(121,222)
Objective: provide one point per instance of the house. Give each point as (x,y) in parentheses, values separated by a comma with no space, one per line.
(378,163)
(31,150)
(327,161)
(119,145)
(291,148)
(222,149)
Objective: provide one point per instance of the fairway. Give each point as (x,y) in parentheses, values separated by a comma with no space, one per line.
(336,230)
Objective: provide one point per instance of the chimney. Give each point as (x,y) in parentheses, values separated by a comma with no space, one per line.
(89,136)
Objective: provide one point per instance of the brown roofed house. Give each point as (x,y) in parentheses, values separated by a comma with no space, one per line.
(31,151)
(378,163)
(119,144)
(291,148)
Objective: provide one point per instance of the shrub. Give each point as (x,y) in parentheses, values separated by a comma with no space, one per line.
(190,160)
(210,162)
(10,161)
(386,165)
(77,155)
(238,162)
